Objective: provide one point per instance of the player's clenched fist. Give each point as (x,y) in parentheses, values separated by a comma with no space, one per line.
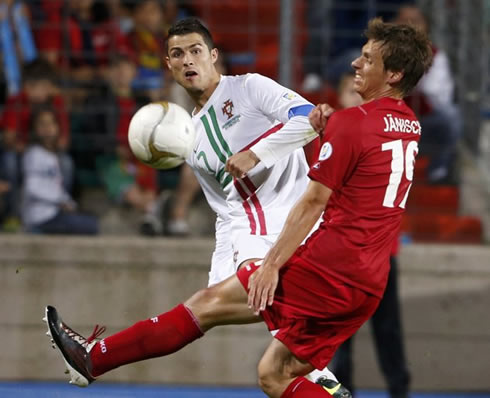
(239,164)
(318,117)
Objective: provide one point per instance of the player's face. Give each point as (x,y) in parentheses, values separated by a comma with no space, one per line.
(192,62)
(371,78)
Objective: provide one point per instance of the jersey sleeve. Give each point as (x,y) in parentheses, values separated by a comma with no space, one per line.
(339,152)
(284,105)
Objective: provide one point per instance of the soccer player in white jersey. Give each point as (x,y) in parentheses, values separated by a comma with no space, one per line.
(249,127)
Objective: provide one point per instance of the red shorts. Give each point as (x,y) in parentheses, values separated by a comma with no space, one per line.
(313,312)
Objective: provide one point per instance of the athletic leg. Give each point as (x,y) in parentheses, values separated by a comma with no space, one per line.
(325,374)
(281,375)
(225,303)
(323,377)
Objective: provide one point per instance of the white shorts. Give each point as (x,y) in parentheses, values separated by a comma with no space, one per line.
(222,266)
(230,253)
(246,246)
(235,247)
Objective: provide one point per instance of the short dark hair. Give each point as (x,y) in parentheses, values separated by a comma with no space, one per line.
(191,25)
(39,69)
(404,49)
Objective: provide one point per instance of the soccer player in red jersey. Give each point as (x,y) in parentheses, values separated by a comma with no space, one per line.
(317,294)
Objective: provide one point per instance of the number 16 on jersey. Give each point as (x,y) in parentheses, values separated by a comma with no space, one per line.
(401,161)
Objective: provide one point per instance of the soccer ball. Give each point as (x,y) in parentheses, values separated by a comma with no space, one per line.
(161,134)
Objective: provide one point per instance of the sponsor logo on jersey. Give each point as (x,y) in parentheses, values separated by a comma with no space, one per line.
(289,96)
(326,151)
(398,125)
(228,108)
(234,120)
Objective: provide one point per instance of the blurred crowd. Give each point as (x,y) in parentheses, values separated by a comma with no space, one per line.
(74,72)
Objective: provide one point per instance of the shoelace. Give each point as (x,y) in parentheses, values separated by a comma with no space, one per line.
(96,333)
(82,340)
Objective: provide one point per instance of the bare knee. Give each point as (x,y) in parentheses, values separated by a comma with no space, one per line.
(278,368)
(271,380)
(204,306)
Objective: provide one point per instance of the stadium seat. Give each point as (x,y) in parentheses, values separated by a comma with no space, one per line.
(433,213)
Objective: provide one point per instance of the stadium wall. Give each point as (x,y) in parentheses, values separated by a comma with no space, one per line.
(118,281)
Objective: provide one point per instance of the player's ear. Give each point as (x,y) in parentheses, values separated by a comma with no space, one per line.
(214,55)
(167,61)
(395,77)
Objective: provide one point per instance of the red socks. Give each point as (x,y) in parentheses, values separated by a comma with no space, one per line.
(154,337)
(303,388)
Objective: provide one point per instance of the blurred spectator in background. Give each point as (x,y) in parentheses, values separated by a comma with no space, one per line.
(122,12)
(386,321)
(16,48)
(317,47)
(347,95)
(16,42)
(105,148)
(105,135)
(180,200)
(335,36)
(39,87)
(333,44)
(47,206)
(433,101)
(77,36)
(147,41)
(4,189)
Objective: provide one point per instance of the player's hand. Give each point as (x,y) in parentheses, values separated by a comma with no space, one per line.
(318,117)
(239,164)
(262,285)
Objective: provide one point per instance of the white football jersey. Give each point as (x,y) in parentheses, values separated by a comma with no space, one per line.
(248,111)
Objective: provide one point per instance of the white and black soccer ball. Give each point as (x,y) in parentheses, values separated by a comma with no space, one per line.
(161,134)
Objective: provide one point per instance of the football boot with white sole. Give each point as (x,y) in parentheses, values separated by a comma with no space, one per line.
(74,348)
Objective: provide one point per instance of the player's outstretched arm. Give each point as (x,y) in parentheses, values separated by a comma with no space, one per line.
(294,134)
(301,219)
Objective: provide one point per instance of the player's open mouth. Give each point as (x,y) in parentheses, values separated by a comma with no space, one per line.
(190,74)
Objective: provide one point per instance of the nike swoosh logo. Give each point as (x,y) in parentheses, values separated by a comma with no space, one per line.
(332,391)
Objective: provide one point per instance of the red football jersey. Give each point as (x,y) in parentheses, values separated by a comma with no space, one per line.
(367,159)
(18,111)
